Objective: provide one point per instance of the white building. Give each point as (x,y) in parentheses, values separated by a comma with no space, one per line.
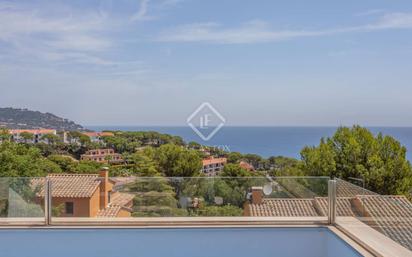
(97,137)
(37,135)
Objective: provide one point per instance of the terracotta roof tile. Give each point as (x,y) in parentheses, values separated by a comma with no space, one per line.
(109,212)
(119,201)
(283,207)
(392,215)
(343,206)
(70,185)
(98,134)
(33,131)
(213,161)
(122,199)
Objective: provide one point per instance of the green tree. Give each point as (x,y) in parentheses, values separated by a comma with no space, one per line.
(79,137)
(232,190)
(234,170)
(88,167)
(27,137)
(142,165)
(17,160)
(51,139)
(136,164)
(234,157)
(121,144)
(177,161)
(128,142)
(219,211)
(284,166)
(154,198)
(194,145)
(66,163)
(4,135)
(70,165)
(257,161)
(356,152)
(46,149)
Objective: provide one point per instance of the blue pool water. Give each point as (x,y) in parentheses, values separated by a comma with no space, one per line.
(208,242)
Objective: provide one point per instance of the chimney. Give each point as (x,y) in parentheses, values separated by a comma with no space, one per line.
(359,207)
(104,187)
(257,195)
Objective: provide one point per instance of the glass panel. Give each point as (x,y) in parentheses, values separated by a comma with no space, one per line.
(22,198)
(152,197)
(346,198)
(388,215)
(141,197)
(302,196)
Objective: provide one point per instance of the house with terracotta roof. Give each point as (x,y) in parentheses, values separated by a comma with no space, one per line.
(85,195)
(102,156)
(213,166)
(37,135)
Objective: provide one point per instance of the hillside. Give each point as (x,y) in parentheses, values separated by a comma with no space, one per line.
(25,119)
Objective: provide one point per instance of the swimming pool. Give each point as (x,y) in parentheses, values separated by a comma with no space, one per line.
(182,242)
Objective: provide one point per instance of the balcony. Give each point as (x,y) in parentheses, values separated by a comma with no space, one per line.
(200,216)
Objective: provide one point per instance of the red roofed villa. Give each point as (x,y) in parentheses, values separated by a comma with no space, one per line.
(102,156)
(213,166)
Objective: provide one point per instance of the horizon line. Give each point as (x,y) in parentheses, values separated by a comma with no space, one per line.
(257,126)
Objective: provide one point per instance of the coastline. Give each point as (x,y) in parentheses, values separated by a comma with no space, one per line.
(266,141)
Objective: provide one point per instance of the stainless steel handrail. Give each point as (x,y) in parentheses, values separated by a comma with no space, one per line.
(331,202)
(47,202)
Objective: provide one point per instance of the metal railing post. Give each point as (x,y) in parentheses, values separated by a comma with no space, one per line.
(47,202)
(331,202)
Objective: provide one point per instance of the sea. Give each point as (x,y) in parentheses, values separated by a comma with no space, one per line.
(265,141)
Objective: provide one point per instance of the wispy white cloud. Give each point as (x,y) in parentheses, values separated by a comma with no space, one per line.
(396,20)
(148,6)
(261,32)
(63,33)
(251,32)
(141,14)
(78,36)
(68,37)
(74,30)
(171,2)
(370,12)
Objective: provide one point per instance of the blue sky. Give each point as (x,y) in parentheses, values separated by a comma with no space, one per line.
(153,62)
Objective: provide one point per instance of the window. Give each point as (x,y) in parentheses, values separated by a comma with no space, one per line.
(69,207)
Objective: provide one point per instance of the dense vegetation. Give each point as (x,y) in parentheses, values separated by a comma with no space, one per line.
(356,153)
(26,119)
(350,153)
